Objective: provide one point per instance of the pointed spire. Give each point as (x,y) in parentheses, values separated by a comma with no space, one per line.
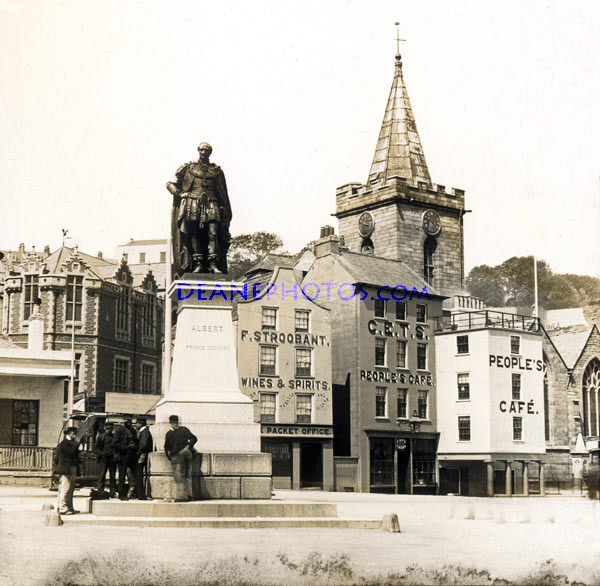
(399,151)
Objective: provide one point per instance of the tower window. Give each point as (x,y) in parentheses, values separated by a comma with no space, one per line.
(367,247)
(429,248)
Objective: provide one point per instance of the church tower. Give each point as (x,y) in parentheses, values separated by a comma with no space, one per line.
(399,213)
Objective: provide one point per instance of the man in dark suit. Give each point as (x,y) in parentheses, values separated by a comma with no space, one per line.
(145,446)
(105,450)
(125,442)
(179,446)
(66,459)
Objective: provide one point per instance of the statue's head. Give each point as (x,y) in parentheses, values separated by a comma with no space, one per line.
(204,150)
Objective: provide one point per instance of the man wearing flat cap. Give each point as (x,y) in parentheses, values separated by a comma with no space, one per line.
(66,459)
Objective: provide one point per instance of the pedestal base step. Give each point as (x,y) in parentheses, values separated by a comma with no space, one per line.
(226,523)
(207,509)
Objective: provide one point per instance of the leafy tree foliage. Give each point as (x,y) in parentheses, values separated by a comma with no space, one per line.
(247,249)
(511,283)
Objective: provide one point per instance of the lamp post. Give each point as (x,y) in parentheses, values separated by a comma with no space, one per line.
(414,424)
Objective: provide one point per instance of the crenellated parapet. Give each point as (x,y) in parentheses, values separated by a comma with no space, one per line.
(354,197)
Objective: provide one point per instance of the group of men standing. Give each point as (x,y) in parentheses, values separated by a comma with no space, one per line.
(124,448)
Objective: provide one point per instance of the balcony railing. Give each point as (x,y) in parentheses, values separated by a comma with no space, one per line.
(25,458)
(477,320)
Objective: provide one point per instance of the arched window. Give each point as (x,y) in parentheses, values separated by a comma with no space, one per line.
(591,390)
(367,247)
(429,247)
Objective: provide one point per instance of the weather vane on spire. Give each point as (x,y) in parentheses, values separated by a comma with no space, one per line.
(398,39)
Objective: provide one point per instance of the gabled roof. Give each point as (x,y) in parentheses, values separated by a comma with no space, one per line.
(570,344)
(399,151)
(382,272)
(271,260)
(59,257)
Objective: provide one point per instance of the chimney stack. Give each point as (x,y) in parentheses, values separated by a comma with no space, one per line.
(47,250)
(35,330)
(329,243)
(100,255)
(21,249)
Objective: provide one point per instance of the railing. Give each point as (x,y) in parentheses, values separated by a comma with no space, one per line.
(25,458)
(474,320)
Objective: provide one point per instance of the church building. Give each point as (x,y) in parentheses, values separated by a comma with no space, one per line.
(399,213)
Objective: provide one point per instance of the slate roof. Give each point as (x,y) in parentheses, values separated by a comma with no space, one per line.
(378,271)
(570,344)
(271,260)
(98,266)
(399,151)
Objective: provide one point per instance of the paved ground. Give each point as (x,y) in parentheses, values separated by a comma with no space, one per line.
(536,540)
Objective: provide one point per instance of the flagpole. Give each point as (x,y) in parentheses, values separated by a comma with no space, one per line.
(168,310)
(535,288)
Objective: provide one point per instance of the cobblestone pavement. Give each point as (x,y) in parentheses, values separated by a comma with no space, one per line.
(509,538)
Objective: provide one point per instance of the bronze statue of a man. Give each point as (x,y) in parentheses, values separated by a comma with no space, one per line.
(201,216)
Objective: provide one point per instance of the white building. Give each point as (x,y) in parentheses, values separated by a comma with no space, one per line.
(490,373)
(145,255)
(140,252)
(31,406)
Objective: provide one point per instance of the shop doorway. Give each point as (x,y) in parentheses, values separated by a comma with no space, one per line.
(311,465)
(382,465)
(403,449)
(449,480)
(281,453)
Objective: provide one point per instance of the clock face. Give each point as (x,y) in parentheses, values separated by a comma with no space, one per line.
(432,224)
(366,224)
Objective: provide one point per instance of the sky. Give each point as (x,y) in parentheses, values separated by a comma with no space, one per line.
(101,101)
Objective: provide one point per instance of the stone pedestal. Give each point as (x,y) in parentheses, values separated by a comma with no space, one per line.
(204,392)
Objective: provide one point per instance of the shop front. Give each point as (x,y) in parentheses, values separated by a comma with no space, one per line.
(403,463)
(302,455)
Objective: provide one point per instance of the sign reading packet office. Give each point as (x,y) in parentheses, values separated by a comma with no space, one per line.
(296,431)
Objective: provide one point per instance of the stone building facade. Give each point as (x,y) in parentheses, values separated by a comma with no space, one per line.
(117,326)
(284,365)
(572,389)
(384,388)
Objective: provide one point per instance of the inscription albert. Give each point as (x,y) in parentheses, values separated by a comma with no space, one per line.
(207,329)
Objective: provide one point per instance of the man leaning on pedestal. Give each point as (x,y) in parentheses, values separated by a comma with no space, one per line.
(66,459)
(179,445)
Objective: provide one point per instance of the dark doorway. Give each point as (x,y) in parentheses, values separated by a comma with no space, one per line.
(500,481)
(403,466)
(281,453)
(311,465)
(449,480)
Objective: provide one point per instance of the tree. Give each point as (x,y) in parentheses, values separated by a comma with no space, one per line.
(247,249)
(485,282)
(512,283)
